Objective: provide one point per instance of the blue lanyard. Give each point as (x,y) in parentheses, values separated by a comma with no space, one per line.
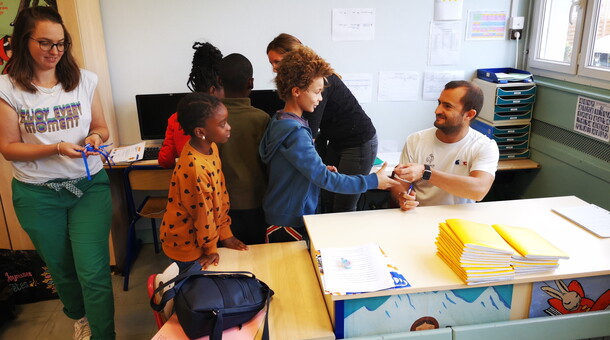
(100,150)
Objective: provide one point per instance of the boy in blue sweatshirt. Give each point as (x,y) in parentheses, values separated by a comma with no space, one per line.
(296,171)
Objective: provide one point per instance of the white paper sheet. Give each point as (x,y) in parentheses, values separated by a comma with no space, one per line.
(445,42)
(367,270)
(398,86)
(434,82)
(448,9)
(353,24)
(360,84)
(129,153)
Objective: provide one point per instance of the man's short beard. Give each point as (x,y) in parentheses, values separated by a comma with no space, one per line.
(448,130)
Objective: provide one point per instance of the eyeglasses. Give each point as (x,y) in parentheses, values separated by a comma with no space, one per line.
(46,45)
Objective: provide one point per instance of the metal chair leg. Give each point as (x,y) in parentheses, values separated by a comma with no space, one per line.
(154,235)
(131,235)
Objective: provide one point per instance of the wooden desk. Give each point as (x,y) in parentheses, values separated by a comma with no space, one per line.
(408,239)
(517,164)
(297,308)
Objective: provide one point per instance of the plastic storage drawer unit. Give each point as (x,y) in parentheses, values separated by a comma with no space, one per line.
(509,103)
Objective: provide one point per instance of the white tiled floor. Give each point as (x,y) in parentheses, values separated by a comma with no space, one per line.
(133,316)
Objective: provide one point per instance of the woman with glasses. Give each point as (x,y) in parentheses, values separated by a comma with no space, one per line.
(49,111)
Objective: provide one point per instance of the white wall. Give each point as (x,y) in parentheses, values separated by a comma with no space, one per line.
(149,46)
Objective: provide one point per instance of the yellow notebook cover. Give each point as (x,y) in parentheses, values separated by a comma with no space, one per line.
(479,236)
(529,243)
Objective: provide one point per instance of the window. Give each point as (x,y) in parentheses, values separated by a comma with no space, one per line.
(570,40)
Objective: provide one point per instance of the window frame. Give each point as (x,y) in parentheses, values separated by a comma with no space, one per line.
(589,33)
(577,71)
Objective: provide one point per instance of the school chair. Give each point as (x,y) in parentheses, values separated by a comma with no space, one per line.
(143,178)
(154,281)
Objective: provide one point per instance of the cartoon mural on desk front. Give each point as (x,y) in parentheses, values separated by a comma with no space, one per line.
(578,296)
(421,311)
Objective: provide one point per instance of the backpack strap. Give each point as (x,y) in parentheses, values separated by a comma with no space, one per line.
(266,327)
(218,324)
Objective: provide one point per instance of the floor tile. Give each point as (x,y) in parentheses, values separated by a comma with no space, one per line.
(134,320)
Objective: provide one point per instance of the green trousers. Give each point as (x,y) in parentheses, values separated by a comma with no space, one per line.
(71,236)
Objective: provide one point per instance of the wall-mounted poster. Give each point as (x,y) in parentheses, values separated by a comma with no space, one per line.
(486,25)
(8,13)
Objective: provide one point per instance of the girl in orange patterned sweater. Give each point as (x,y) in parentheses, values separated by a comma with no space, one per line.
(197,211)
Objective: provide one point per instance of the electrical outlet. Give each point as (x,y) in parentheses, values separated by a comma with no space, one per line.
(516,23)
(513,34)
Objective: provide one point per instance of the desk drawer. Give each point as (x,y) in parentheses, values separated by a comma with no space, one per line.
(513,146)
(515,99)
(514,154)
(526,90)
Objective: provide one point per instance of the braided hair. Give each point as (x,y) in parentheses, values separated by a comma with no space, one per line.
(204,72)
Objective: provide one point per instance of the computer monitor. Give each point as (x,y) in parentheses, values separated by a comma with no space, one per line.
(266,100)
(155,109)
(153,112)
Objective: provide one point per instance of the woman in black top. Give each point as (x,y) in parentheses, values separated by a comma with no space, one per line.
(345,136)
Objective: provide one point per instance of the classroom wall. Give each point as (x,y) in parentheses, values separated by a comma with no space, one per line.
(149,48)
(571,163)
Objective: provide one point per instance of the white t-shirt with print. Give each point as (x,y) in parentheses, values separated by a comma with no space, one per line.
(474,152)
(50,116)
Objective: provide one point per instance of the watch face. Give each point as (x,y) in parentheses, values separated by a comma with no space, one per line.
(427,172)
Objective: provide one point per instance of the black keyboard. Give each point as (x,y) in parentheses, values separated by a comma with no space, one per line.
(151,152)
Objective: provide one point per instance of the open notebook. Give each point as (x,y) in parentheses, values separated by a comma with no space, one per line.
(590,217)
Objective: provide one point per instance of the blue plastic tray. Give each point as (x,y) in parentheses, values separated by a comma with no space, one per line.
(489,74)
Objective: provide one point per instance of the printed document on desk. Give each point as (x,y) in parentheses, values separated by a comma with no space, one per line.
(129,153)
(359,269)
(590,217)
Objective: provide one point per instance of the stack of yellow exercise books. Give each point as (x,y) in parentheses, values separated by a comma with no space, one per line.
(482,253)
(475,251)
(534,253)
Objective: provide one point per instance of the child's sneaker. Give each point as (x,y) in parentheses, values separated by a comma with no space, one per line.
(81,329)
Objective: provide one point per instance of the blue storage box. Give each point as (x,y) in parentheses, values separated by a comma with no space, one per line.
(494,75)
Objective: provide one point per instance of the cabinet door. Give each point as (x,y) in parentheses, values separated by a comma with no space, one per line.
(18,237)
(4,239)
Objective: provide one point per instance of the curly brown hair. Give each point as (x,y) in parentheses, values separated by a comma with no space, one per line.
(298,69)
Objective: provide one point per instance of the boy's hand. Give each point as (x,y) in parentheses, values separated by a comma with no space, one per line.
(384,182)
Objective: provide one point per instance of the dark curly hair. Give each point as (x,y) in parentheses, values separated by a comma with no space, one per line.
(21,65)
(204,72)
(194,109)
(298,69)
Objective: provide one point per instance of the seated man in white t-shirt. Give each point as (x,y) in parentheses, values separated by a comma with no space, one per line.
(450,163)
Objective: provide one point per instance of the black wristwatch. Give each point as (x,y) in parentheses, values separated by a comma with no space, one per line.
(427,172)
